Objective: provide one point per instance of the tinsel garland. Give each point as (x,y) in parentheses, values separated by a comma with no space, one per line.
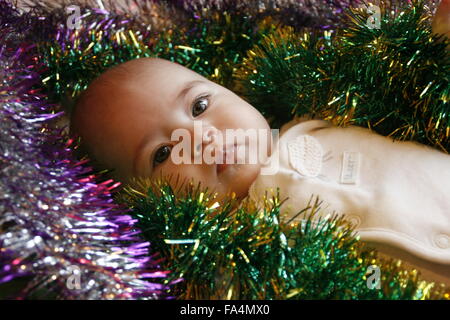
(298,14)
(232,250)
(394,79)
(317,14)
(348,76)
(201,240)
(61,235)
(209,38)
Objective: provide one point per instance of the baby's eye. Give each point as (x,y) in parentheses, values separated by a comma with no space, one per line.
(200,105)
(161,155)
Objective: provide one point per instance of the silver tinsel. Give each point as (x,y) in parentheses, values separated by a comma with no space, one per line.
(58,226)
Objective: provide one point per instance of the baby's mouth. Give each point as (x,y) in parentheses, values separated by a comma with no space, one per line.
(221,167)
(228,156)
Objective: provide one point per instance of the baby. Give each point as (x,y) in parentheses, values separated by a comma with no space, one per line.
(394,192)
(151,117)
(127,116)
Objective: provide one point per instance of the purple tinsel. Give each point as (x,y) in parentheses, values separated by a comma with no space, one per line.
(296,13)
(57,224)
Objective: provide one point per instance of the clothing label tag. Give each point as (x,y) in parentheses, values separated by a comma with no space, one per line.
(350,167)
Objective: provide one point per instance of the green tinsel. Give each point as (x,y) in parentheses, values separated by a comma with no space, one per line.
(348,76)
(343,76)
(395,79)
(234,250)
(78,57)
(212,45)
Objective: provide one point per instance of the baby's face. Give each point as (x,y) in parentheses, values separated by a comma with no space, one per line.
(128,115)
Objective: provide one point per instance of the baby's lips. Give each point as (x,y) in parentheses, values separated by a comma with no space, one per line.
(230,154)
(225,157)
(221,160)
(219,154)
(225,154)
(221,167)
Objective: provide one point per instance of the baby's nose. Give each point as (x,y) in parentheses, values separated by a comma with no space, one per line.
(209,135)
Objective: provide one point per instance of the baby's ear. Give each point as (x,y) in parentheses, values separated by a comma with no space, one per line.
(441,20)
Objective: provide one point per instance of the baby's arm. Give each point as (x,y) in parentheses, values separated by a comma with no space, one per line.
(296,120)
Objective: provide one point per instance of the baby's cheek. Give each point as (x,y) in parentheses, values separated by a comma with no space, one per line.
(441,20)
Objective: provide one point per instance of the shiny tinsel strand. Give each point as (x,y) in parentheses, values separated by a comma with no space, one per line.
(209,37)
(220,252)
(240,250)
(393,79)
(61,236)
(295,13)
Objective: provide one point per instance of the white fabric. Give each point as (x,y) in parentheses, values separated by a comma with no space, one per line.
(394,192)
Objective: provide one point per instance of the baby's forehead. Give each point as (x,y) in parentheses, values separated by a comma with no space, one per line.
(147,66)
(163,74)
(139,84)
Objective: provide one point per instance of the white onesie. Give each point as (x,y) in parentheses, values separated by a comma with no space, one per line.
(396,193)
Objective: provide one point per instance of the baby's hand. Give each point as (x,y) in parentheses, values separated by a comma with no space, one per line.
(441,20)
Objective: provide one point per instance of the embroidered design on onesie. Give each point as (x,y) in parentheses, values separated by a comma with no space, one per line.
(305,155)
(350,167)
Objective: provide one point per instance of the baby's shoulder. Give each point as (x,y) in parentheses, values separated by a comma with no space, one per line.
(302,127)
